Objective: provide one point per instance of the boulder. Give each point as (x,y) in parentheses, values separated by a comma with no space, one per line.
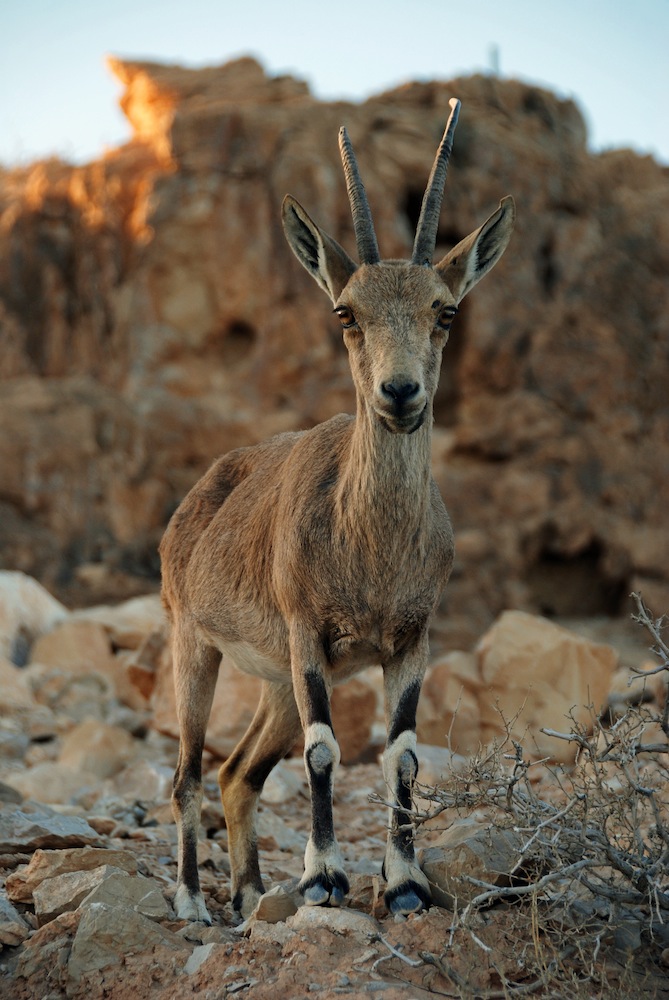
(353,714)
(448,710)
(80,647)
(469,848)
(83,647)
(107,934)
(144,780)
(128,624)
(97,748)
(537,675)
(27,610)
(436,764)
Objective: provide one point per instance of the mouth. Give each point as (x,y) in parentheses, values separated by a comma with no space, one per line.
(407,424)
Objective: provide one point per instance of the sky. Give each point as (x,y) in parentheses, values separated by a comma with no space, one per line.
(58,98)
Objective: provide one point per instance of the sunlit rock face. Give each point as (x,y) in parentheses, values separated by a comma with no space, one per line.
(152,316)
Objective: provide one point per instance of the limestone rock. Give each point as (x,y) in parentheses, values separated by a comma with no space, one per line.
(274,832)
(15,691)
(353,713)
(235,701)
(108,933)
(51,782)
(97,748)
(47,950)
(200,955)
(64,892)
(448,710)
(472,848)
(537,674)
(144,895)
(28,828)
(137,356)
(436,764)
(282,784)
(52,863)
(337,921)
(27,610)
(13,928)
(144,780)
(75,646)
(129,623)
(276,905)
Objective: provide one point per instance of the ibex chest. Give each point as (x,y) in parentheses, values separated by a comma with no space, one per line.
(369,632)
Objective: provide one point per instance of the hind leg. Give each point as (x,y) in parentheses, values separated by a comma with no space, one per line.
(195,672)
(273,732)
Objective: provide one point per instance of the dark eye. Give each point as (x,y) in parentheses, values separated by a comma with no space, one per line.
(346,317)
(445,317)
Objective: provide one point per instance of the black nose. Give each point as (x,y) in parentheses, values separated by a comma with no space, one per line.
(400,390)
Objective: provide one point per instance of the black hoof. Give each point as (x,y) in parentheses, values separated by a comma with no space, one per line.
(407,897)
(326,889)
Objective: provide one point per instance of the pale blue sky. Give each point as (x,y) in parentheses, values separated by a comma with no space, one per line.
(56,95)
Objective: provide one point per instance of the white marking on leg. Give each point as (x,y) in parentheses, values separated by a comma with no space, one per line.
(320,732)
(189,907)
(391,762)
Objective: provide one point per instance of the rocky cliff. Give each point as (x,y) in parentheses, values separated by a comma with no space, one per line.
(152,316)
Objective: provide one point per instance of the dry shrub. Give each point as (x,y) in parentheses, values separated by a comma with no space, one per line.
(585,909)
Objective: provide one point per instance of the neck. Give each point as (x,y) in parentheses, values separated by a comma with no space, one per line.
(385,482)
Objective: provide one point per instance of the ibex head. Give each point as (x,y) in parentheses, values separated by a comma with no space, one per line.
(395,314)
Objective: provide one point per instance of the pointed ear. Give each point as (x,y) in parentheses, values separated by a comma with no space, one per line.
(478,253)
(322,256)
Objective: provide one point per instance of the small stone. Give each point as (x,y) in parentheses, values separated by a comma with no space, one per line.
(9,794)
(199,957)
(281,902)
(144,780)
(273,832)
(282,785)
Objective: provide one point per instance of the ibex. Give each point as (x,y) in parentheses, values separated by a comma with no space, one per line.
(313,555)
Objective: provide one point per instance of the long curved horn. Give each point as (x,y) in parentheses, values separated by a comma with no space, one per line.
(365,237)
(426,231)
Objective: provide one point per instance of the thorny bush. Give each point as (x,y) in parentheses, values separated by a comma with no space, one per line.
(590,883)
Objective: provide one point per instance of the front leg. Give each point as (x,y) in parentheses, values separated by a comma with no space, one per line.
(408,889)
(324,881)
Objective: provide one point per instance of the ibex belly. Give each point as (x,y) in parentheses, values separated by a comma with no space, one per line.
(250,661)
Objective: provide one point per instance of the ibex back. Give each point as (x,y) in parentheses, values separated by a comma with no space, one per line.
(316,554)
